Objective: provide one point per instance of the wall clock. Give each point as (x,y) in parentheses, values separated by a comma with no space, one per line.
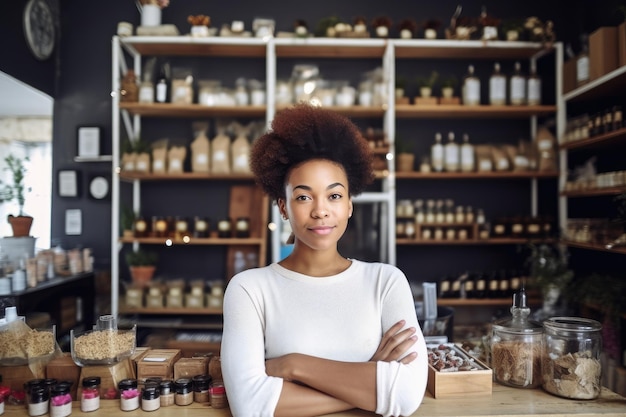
(39,28)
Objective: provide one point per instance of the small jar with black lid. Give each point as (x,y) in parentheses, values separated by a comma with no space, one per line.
(150,400)
(60,400)
(201,388)
(129,394)
(90,395)
(38,400)
(166,388)
(184,392)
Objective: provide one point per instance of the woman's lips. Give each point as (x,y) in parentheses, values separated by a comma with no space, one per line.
(321,230)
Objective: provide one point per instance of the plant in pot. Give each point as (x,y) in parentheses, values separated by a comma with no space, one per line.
(404,157)
(400,88)
(447,86)
(431,27)
(426,84)
(127,221)
(21,223)
(513,29)
(142,264)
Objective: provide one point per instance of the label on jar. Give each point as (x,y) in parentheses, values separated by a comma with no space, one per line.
(89,404)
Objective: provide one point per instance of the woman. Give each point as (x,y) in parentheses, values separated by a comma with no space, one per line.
(317,333)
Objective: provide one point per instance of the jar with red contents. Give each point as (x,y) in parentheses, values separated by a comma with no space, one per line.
(60,400)
(90,396)
(4,395)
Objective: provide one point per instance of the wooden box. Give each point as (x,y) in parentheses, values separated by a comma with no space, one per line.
(14,377)
(460,383)
(158,363)
(603,52)
(190,367)
(110,376)
(569,75)
(64,368)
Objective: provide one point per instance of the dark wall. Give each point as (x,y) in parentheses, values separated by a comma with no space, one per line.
(81,82)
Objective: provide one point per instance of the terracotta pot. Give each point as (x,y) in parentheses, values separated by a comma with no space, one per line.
(20,224)
(142,275)
(405,162)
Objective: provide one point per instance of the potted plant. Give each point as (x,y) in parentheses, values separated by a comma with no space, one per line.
(431,27)
(513,29)
(400,88)
(127,221)
(426,84)
(407,28)
(21,223)
(404,156)
(142,264)
(447,86)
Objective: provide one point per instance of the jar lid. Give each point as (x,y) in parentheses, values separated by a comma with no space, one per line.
(91,381)
(569,325)
(150,393)
(60,389)
(166,386)
(183,385)
(128,383)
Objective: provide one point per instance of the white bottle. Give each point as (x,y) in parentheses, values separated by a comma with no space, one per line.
(436,154)
(467,155)
(239,263)
(518,86)
(497,87)
(451,163)
(533,96)
(471,88)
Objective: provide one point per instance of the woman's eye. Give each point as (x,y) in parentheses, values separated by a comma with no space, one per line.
(335,196)
(302,197)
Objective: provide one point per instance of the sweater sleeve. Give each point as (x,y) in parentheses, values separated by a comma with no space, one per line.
(400,388)
(251,392)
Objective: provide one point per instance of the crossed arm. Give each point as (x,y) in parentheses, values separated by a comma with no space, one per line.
(314,386)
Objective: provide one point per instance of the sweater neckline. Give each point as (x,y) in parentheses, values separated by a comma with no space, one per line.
(297,276)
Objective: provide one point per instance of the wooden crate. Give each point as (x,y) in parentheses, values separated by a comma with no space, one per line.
(461,383)
(158,363)
(190,367)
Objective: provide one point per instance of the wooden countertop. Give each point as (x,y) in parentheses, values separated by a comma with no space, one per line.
(504,402)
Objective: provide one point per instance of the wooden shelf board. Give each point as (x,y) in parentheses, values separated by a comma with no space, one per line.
(353,111)
(192,46)
(407,111)
(169,311)
(475,175)
(597,141)
(608,85)
(455,49)
(206,176)
(195,241)
(191,110)
(461,302)
(595,247)
(594,192)
(443,242)
(330,48)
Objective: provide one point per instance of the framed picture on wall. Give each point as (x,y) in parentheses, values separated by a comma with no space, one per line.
(99,186)
(68,183)
(88,141)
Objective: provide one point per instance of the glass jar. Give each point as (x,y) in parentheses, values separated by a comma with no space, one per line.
(201,227)
(60,400)
(167,393)
(242,227)
(150,400)
(38,400)
(90,395)
(571,359)
(217,395)
(516,347)
(184,393)
(201,388)
(129,394)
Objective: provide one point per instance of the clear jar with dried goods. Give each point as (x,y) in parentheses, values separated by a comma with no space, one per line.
(129,394)
(150,400)
(516,347)
(571,358)
(184,392)
(167,393)
(201,388)
(217,395)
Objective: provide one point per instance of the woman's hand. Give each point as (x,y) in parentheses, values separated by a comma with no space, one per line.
(395,343)
(280,366)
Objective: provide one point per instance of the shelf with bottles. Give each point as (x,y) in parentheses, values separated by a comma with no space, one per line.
(600,234)
(468,49)
(479,242)
(605,139)
(599,129)
(190,240)
(408,111)
(594,192)
(469,302)
(194,46)
(607,85)
(183,176)
(179,110)
(124,309)
(416,175)
(594,246)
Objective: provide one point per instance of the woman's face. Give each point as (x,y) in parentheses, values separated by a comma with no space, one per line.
(317,203)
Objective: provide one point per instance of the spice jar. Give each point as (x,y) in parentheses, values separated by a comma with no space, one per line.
(90,395)
(242,227)
(516,347)
(201,388)
(150,400)
(184,394)
(60,400)
(224,228)
(201,227)
(217,394)
(571,358)
(5,392)
(129,394)
(38,400)
(167,394)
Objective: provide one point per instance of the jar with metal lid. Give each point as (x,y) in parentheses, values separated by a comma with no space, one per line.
(516,347)
(571,358)
(167,393)
(60,400)
(201,388)
(129,394)
(38,400)
(90,395)
(150,398)
(217,395)
(184,393)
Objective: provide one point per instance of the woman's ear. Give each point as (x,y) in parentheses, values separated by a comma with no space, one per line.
(282,208)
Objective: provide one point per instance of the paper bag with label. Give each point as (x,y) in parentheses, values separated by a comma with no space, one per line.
(159,156)
(220,152)
(545,146)
(200,148)
(176,158)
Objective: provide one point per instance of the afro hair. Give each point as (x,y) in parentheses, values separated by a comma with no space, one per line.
(302,133)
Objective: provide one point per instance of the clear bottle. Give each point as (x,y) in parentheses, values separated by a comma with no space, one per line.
(582,61)
(468,163)
(436,154)
(451,151)
(497,87)
(516,347)
(430,212)
(162,87)
(449,211)
(533,95)
(471,88)
(440,215)
(517,86)
(572,346)
(420,217)
(90,395)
